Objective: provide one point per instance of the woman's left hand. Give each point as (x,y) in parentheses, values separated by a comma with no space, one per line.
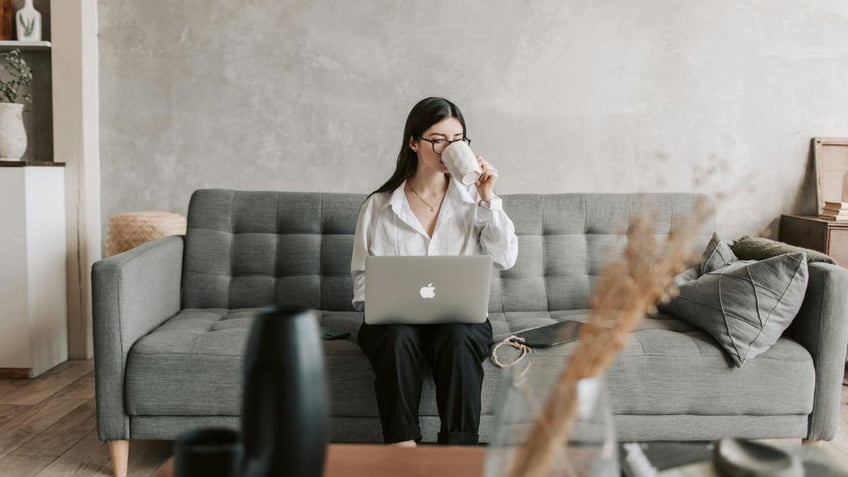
(486,182)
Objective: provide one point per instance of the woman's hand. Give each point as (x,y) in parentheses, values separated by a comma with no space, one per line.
(486,181)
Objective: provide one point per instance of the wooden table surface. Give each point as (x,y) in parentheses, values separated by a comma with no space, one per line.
(374,460)
(370,460)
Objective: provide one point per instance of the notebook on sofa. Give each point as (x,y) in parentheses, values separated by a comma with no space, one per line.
(551,335)
(426,290)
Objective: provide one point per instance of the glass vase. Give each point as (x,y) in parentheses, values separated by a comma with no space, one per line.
(591,448)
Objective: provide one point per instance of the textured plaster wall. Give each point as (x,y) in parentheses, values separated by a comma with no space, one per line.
(561,95)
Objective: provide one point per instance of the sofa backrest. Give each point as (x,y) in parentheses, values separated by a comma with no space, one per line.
(250,249)
(565,240)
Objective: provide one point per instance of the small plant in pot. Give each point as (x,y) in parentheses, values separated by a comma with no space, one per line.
(15,75)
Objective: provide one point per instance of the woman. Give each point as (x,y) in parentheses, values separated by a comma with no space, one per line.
(420,210)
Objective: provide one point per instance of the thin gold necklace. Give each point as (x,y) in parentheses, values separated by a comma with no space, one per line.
(432,209)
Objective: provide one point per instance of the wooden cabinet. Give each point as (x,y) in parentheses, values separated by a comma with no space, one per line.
(33,309)
(827,236)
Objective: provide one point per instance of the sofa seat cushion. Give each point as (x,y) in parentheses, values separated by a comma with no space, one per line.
(666,369)
(192,364)
(669,367)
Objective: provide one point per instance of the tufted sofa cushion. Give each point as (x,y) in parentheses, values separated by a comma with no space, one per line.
(251,249)
(565,240)
(191,366)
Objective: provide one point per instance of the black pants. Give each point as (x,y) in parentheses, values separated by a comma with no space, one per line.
(454,351)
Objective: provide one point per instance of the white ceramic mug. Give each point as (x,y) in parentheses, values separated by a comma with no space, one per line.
(461,162)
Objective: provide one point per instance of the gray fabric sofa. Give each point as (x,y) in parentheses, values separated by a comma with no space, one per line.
(171,320)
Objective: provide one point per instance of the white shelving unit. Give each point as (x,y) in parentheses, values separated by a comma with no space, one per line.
(33,308)
(38,114)
(33,231)
(24,45)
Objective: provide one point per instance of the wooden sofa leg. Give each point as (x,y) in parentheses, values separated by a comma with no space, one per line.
(815,443)
(119,452)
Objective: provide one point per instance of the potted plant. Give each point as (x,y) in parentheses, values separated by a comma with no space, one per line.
(15,74)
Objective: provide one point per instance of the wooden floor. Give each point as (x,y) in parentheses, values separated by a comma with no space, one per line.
(47,428)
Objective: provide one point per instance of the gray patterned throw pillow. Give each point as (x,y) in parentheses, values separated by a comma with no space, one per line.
(744,304)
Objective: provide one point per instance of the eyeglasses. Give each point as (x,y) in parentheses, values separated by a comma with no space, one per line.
(439,145)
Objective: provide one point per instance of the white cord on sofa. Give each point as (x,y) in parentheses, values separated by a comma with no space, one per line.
(516,342)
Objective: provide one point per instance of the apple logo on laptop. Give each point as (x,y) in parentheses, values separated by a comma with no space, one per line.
(428,292)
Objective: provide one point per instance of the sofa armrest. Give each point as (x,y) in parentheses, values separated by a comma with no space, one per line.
(822,327)
(132,293)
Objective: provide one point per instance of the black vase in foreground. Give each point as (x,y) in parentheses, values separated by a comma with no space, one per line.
(284,405)
(207,452)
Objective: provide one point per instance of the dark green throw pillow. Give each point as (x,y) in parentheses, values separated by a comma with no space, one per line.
(744,304)
(758,248)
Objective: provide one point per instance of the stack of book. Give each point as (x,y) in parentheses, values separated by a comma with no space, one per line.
(835,211)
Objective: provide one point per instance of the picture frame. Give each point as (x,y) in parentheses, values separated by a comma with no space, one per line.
(830,158)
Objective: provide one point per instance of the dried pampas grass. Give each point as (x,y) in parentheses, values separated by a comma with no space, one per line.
(627,290)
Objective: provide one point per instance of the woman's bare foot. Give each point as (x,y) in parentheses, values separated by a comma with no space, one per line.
(404,444)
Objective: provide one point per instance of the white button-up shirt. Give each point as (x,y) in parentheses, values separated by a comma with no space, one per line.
(387,226)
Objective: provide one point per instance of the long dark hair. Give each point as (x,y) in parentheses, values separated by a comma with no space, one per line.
(426,113)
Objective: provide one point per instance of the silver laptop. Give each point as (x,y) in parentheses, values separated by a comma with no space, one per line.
(425,290)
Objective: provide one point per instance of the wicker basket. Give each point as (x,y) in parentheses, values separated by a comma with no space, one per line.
(135,228)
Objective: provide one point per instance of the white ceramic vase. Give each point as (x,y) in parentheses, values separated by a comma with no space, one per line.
(13,140)
(28,23)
